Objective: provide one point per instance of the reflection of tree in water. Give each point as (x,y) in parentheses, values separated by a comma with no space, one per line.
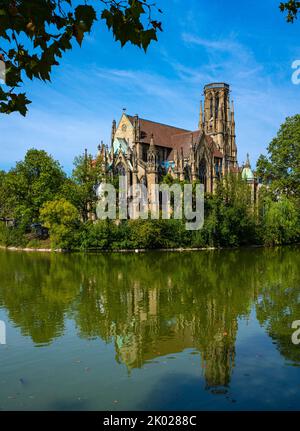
(150,304)
(36,290)
(279,302)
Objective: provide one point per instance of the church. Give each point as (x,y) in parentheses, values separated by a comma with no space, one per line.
(146,150)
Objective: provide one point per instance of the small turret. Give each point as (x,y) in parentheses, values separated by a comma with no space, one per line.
(113,131)
(136,128)
(99,151)
(152,156)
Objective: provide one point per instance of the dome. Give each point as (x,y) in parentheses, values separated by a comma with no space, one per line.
(247,173)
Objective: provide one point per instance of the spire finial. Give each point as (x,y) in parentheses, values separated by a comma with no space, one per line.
(248,165)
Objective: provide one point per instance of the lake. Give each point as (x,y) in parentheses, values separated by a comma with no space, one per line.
(203,330)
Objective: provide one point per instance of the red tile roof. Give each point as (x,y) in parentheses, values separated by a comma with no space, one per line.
(162,133)
(173,137)
(183,141)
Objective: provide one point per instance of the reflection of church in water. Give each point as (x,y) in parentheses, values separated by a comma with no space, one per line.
(146,336)
(145,150)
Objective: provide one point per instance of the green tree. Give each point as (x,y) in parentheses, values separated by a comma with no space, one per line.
(32,182)
(229,215)
(80,189)
(62,220)
(281,169)
(281,222)
(34,34)
(3,202)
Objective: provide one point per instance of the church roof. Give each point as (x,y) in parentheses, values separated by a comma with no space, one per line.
(173,137)
(183,140)
(162,133)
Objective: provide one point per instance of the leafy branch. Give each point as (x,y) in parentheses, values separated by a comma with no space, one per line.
(292,8)
(34,34)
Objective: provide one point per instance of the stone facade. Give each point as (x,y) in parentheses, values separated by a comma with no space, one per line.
(145,150)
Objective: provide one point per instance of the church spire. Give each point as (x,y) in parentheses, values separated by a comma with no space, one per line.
(247,164)
(201,123)
(113,131)
(152,156)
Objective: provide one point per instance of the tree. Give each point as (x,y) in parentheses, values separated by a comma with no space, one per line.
(3,203)
(281,222)
(34,34)
(62,220)
(229,215)
(81,188)
(292,8)
(32,182)
(281,169)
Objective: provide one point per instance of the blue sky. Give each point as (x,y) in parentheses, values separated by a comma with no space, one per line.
(246,44)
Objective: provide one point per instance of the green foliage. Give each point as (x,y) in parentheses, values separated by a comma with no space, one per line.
(26,187)
(229,215)
(144,233)
(292,8)
(62,220)
(12,236)
(281,224)
(281,169)
(126,22)
(96,236)
(34,34)
(80,189)
(37,190)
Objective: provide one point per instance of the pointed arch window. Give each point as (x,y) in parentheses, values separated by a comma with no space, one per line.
(120,169)
(217,106)
(203,173)
(211,107)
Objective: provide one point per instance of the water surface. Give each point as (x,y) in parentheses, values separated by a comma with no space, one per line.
(193,330)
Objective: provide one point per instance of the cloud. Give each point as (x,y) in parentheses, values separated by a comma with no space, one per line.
(225,45)
(76,110)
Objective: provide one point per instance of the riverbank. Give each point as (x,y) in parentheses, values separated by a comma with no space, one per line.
(140,250)
(137,250)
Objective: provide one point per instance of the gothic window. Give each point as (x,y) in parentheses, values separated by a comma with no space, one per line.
(218,168)
(144,153)
(124,127)
(211,107)
(217,105)
(187,173)
(120,169)
(143,180)
(202,173)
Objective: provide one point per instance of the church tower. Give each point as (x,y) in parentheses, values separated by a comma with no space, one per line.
(217,120)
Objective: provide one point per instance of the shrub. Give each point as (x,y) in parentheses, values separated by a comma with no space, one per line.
(12,236)
(62,220)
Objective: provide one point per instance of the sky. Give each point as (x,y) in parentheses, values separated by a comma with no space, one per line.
(245,44)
